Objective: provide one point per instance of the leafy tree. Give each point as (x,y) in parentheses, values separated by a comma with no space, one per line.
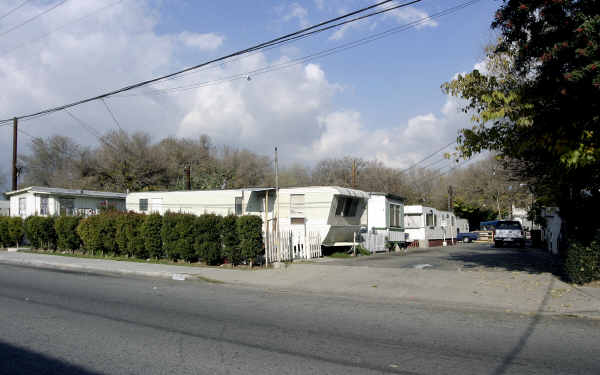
(538,103)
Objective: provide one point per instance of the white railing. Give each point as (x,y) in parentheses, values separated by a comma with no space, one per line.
(289,245)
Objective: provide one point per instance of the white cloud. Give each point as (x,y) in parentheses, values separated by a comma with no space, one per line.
(291,108)
(204,42)
(296,11)
(410,14)
(344,133)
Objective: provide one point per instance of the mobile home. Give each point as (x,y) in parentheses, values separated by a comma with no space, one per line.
(332,212)
(46,201)
(428,227)
(462,225)
(384,221)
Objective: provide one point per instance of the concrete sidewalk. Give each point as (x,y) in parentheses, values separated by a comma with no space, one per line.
(518,292)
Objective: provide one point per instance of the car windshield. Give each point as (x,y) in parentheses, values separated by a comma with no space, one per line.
(508,225)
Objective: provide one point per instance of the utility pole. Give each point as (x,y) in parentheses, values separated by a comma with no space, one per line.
(277,234)
(450,199)
(354,174)
(188,177)
(14,161)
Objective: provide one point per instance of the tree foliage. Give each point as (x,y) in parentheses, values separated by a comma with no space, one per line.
(537,102)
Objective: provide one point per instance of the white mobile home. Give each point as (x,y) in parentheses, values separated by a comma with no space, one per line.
(427,226)
(333,212)
(462,225)
(384,221)
(46,201)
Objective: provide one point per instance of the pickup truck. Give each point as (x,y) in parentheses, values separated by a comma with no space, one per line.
(467,237)
(509,232)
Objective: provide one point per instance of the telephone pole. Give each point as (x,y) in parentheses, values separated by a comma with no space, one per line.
(450,198)
(277,190)
(354,174)
(188,177)
(14,161)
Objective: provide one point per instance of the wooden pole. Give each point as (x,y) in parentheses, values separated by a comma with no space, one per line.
(14,161)
(267,228)
(277,228)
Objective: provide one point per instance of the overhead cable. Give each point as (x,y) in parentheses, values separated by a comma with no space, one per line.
(14,9)
(223,58)
(33,18)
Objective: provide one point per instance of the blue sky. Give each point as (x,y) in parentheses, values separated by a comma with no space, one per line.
(378,101)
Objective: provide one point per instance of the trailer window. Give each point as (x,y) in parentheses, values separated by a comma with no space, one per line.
(413,221)
(143,205)
(352,206)
(297,205)
(44,206)
(430,219)
(22,206)
(347,207)
(238,205)
(395,216)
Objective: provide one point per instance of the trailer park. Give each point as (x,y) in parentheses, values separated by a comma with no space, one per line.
(297,223)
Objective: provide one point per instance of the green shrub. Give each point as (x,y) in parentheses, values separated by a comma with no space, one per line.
(33,231)
(231,239)
(186,231)
(48,238)
(16,231)
(169,235)
(4,236)
(151,232)
(128,235)
(66,232)
(208,242)
(251,237)
(108,229)
(582,263)
(40,232)
(98,233)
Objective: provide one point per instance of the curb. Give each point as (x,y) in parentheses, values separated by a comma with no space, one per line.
(100,271)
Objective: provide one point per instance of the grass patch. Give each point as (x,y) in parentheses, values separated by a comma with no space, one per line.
(340,254)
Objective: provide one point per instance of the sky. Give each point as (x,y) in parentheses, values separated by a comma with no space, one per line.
(380,100)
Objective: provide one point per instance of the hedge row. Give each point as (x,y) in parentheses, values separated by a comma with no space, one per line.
(582,262)
(174,236)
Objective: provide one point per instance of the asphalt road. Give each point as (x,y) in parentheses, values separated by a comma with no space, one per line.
(69,323)
(462,256)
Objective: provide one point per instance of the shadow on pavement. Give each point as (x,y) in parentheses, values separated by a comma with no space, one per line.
(510,357)
(527,260)
(15,361)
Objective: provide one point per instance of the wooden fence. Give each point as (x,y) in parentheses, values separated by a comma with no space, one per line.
(287,246)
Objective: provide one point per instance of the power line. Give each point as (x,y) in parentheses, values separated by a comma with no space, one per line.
(112,114)
(33,18)
(427,157)
(43,36)
(14,9)
(238,53)
(301,60)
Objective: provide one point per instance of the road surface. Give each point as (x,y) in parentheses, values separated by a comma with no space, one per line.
(70,323)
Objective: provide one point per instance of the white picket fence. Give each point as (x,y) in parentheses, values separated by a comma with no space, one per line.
(288,246)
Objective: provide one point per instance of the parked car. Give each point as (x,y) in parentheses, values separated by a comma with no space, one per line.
(467,237)
(509,232)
